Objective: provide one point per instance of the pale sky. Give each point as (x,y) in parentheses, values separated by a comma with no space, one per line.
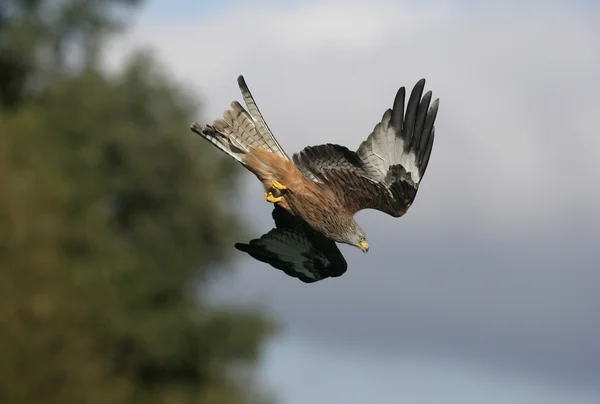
(488,290)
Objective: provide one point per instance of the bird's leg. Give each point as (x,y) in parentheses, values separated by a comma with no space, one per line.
(272,198)
(278,185)
(276,192)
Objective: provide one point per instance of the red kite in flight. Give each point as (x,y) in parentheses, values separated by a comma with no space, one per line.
(318,191)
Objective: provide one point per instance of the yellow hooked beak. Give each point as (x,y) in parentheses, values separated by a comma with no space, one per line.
(364,246)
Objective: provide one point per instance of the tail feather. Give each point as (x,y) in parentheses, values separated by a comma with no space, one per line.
(261,124)
(211,134)
(238,130)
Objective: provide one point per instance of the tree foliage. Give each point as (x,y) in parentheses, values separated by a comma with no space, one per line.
(111,223)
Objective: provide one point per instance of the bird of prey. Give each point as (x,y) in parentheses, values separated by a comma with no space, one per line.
(317,191)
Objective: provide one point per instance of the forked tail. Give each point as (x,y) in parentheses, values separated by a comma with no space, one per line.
(239,129)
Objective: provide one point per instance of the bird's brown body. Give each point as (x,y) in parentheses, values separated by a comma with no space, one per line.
(313,202)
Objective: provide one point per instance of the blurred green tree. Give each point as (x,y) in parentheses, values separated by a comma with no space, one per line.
(111,224)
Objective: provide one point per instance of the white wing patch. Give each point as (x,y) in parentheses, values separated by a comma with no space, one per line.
(383,149)
(407,160)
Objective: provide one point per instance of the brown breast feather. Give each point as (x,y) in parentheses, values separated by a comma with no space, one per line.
(268,166)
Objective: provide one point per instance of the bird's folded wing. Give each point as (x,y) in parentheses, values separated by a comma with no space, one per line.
(296,249)
(385,172)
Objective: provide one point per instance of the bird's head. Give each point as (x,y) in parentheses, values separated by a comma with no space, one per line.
(359,239)
(363,245)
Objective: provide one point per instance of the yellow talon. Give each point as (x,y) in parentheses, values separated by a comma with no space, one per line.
(270,198)
(278,185)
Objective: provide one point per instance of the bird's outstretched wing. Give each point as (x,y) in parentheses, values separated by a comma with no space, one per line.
(296,249)
(385,172)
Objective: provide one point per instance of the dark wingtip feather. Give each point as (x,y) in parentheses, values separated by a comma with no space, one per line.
(411,111)
(398,109)
(427,154)
(427,137)
(435,105)
(422,113)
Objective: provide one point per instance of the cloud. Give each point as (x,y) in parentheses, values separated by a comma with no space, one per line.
(497,257)
(356,377)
